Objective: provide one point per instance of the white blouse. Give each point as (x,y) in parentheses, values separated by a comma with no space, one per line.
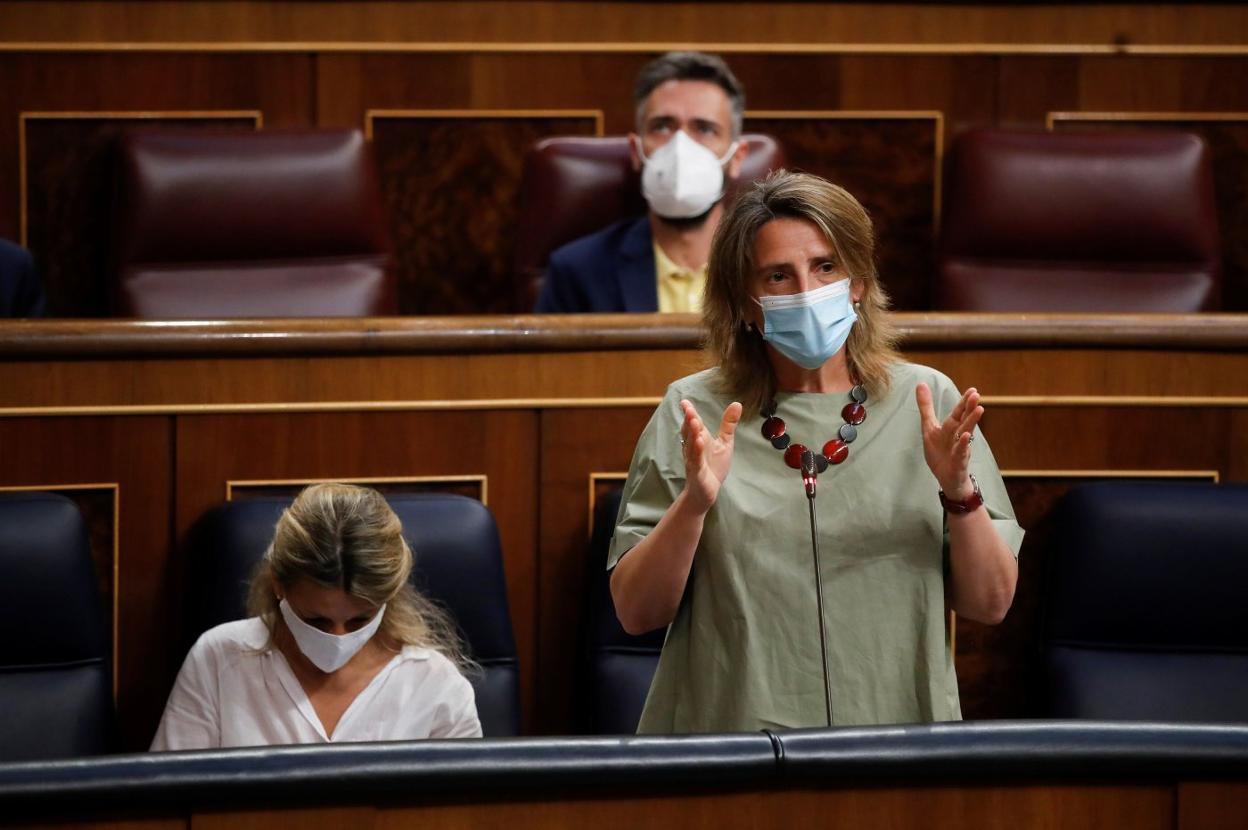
(233,692)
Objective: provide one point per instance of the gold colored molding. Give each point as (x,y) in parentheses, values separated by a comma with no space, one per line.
(372,115)
(641,48)
(1051,118)
(1126,401)
(594,478)
(482,481)
(115,487)
(23,118)
(878,115)
(1115,401)
(1212,475)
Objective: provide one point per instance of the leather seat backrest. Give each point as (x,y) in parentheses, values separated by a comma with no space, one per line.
(1092,221)
(574,185)
(279,223)
(1147,616)
(56,696)
(458,563)
(616,667)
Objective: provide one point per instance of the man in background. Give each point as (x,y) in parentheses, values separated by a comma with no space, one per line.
(20,292)
(687,147)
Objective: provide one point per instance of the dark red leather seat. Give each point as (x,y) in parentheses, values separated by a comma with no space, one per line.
(572,186)
(250,224)
(1094,221)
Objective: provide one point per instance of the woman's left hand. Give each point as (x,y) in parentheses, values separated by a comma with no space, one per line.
(947,443)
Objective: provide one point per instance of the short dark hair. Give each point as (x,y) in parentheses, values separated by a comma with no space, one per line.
(689,66)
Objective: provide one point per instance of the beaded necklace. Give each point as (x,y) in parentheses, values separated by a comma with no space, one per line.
(836,450)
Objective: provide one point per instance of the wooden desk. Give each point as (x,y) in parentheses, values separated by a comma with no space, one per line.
(146,425)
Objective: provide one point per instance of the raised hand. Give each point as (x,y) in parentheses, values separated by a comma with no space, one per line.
(947,443)
(707,457)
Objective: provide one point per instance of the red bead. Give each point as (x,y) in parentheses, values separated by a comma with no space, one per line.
(854,413)
(793,456)
(835,451)
(773,428)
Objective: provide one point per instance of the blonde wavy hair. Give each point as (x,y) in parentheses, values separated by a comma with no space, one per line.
(745,370)
(347,537)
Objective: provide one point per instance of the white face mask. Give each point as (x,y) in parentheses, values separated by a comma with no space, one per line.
(683,179)
(328,652)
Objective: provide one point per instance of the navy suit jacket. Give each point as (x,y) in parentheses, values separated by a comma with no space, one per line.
(610,270)
(20,292)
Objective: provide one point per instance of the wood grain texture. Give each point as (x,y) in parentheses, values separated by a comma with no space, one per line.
(502,446)
(659,22)
(136,453)
(895,164)
(956,805)
(71,169)
(1212,806)
(452,196)
(278,85)
(540,334)
(934,808)
(538,424)
(450,185)
(120,823)
(574,446)
(324,818)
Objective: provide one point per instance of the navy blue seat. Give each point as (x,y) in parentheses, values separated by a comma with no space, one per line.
(616,667)
(458,564)
(56,696)
(1148,603)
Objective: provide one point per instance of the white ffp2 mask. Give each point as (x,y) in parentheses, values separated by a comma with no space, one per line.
(328,652)
(683,179)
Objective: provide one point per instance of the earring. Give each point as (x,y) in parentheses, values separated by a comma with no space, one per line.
(857,306)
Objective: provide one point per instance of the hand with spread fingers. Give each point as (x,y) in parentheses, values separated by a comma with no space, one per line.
(947,443)
(708,457)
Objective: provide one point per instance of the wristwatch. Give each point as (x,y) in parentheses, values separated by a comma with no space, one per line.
(972,502)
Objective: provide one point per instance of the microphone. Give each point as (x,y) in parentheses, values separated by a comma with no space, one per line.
(809,475)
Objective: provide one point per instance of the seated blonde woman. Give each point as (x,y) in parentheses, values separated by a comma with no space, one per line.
(339,646)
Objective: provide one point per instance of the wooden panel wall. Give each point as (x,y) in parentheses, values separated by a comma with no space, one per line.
(876,121)
(621,22)
(540,436)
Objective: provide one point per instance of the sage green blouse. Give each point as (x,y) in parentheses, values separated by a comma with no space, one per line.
(743,651)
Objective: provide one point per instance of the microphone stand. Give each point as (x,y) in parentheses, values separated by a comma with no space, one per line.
(809,477)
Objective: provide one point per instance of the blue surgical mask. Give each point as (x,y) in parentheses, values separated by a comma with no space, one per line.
(810,327)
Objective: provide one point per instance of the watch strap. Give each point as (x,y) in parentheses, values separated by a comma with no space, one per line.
(972,502)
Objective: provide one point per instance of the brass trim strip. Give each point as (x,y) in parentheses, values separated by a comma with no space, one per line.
(560,403)
(23,117)
(332,406)
(1051,118)
(1114,400)
(883,115)
(481,479)
(115,487)
(615,47)
(370,115)
(1213,475)
(594,478)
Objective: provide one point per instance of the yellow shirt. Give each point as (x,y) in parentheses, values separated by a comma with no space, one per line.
(679,288)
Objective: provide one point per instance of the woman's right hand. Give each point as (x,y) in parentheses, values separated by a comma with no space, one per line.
(707,457)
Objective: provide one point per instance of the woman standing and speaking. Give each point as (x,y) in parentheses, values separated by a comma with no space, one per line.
(714,536)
